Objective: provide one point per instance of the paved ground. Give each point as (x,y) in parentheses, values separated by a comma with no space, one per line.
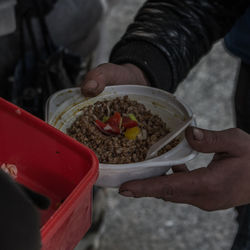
(151,224)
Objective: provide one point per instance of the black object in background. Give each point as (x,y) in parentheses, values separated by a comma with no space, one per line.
(41,72)
(39,200)
(19,219)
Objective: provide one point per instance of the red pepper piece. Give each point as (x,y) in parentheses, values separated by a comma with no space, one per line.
(112,129)
(100,124)
(107,128)
(128,123)
(115,120)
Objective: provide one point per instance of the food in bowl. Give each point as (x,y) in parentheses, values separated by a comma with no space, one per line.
(119,130)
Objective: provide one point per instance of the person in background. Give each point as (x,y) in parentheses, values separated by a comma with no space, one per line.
(20,224)
(76,25)
(165,41)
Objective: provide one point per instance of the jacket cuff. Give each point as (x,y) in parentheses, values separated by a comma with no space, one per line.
(149,59)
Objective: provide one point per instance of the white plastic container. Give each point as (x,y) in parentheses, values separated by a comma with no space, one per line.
(64,106)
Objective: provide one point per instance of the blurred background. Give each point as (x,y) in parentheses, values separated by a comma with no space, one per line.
(151,224)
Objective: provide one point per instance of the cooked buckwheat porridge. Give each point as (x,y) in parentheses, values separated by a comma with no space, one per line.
(119,130)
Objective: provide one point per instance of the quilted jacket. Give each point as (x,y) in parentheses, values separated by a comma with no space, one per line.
(168,37)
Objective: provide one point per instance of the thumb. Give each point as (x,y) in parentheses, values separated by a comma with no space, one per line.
(232,141)
(96,79)
(111,74)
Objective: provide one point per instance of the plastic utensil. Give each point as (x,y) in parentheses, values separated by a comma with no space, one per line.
(153,150)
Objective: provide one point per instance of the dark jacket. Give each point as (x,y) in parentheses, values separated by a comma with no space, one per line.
(19,218)
(167,38)
(237,41)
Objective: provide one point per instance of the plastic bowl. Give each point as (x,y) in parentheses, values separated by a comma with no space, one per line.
(64,106)
(52,164)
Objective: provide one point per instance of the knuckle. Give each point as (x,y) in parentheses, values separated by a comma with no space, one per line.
(212,139)
(99,71)
(106,72)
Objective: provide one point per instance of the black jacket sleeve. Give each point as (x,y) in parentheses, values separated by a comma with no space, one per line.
(168,37)
(19,219)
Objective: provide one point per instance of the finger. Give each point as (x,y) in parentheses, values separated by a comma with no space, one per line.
(220,156)
(180,168)
(111,74)
(175,187)
(195,188)
(231,141)
(96,80)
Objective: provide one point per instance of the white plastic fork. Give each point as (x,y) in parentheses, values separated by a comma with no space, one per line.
(153,150)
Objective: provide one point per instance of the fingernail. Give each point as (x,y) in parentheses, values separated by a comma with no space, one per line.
(198,134)
(126,193)
(92,84)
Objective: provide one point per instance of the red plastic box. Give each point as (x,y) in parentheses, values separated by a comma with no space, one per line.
(55,165)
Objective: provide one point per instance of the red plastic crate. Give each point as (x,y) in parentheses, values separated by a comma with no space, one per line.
(55,165)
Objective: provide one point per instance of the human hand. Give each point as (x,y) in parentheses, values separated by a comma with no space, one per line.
(224,183)
(111,74)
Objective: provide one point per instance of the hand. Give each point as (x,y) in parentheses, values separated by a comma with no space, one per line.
(111,74)
(224,183)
